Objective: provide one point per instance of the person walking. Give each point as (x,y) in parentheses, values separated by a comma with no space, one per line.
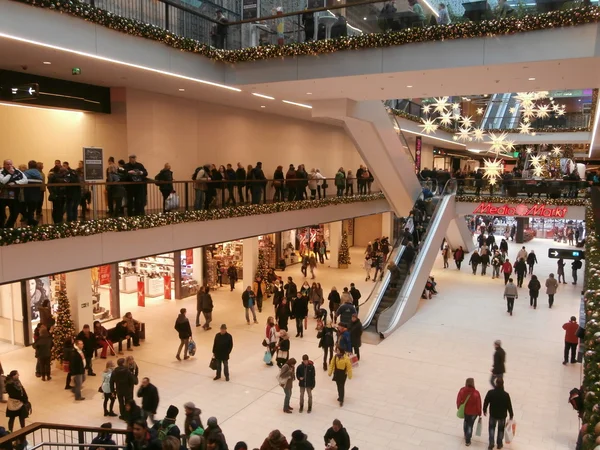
(150,399)
(510,294)
(199,295)
(474,261)
(121,383)
(571,340)
(306,376)
(271,338)
(522,254)
(286,381)
(18,401)
(300,313)
(337,434)
(192,419)
(531,261)
(222,347)
(356,330)
(534,287)
(575,266)
(459,256)
(89,347)
(109,395)
(249,301)
(551,288)
(334,302)
(259,287)
(485,261)
(356,295)
(327,341)
(43,352)
(446,255)
(507,269)
(77,369)
(560,271)
(521,271)
(500,406)
(341,369)
(471,399)
(346,310)
(207,307)
(499,365)
(282,314)
(282,349)
(184,330)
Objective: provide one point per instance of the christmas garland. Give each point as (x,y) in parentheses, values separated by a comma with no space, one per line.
(9,236)
(465,30)
(526,200)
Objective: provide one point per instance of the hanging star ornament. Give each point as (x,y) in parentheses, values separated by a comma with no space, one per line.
(440,104)
(529,150)
(512,110)
(538,171)
(536,160)
(524,128)
(446,118)
(492,169)
(492,181)
(557,150)
(429,126)
(463,134)
(509,145)
(466,121)
(426,109)
(497,142)
(478,134)
(542,111)
(455,106)
(561,111)
(480,111)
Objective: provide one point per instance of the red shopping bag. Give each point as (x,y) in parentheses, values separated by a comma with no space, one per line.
(353,359)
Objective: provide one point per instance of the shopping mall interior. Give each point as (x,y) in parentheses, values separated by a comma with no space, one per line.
(163,147)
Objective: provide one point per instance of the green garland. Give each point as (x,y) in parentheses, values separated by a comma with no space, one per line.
(591,368)
(9,236)
(486,28)
(525,200)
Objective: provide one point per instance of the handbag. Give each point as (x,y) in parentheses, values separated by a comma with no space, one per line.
(265,343)
(191,347)
(268,357)
(325,185)
(306,323)
(100,390)
(213,364)
(14,404)
(478,428)
(461,409)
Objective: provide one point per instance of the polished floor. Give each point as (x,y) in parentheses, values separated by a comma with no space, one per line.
(403,393)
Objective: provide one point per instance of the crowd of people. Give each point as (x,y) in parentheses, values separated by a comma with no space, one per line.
(126,191)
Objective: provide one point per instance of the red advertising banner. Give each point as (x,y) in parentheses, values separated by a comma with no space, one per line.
(418,148)
(189,256)
(104,274)
(141,294)
(167,280)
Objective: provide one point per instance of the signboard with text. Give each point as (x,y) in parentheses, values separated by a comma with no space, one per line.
(29,91)
(250,9)
(418,148)
(522,210)
(566,253)
(93,169)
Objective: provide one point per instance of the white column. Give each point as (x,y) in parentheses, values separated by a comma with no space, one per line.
(79,293)
(335,240)
(250,260)
(387,225)
(198,265)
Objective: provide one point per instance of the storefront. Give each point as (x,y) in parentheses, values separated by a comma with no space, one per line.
(218,258)
(293,243)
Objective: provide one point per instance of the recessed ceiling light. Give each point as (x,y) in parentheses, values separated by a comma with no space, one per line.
(181,90)
(262,106)
(409,86)
(309,93)
(268,97)
(297,104)
(47,62)
(532,79)
(364,18)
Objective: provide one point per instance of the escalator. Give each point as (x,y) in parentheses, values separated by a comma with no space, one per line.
(399,304)
(498,116)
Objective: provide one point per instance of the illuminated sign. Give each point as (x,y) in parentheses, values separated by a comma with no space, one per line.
(565,253)
(539,210)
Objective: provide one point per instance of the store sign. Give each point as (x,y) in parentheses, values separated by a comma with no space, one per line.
(167,287)
(104,275)
(250,9)
(418,148)
(141,294)
(540,210)
(93,169)
(189,256)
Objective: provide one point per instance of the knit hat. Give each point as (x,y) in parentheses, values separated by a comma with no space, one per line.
(172,412)
(189,405)
(212,422)
(195,441)
(298,435)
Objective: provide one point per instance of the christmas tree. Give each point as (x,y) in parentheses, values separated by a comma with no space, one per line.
(344,253)
(64,327)
(266,254)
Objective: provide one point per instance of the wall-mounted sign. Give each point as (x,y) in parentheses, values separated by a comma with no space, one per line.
(418,148)
(29,91)
(250,9)
(93,169)
(565,253)
(539,210)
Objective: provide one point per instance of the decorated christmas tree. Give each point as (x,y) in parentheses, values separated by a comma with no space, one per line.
(266,254)
(64,327)
(344,253)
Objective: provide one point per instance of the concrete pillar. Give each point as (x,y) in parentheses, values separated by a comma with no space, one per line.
(522,223)
(79,293)
(250,260)
(198,265)
(335,240)
(387,225)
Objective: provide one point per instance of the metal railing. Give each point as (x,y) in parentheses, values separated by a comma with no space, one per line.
(65,202)
(526,187)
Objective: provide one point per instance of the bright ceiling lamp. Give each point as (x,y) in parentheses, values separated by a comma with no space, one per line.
(58,110)
(302,105)
(594,130)
(432,137)
(114,61)
(268,97)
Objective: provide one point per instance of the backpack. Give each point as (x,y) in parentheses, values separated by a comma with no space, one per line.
(576,399)
(577,264)
(164,432)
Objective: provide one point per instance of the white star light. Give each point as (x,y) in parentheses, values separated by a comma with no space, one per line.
(561,112)
(557,150)
(497,142)
(524,128)
(526,98)
(492,181)
(480,111)
(542,111)
(535,160)
(528,111)
(492,169)
(440,104)
(478,134)
(455,106)
(426,109)
(529,150)
(526,120)
(463,134)
(509,145)
(538,171)
(429,126)
(555,108)
(446,118)
(512,110)
(466,121)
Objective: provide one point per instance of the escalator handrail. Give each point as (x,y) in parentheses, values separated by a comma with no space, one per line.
(449,189)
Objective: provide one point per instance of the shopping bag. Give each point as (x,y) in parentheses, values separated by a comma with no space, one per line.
(172,202)
(213,364)
(509,431)
(267,358)
(478,428)
(353,359)
(191,347)
(306,323)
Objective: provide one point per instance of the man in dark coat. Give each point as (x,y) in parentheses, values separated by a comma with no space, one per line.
(122,382)
(183,328)
(149,395)
(89,347)
(221,350)
(136,193)
(356,330)
(356,295)
(77,369)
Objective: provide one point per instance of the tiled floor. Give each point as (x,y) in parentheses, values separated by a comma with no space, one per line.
(403,394)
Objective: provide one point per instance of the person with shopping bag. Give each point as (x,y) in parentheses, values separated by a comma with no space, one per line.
(468,402)
(500,406)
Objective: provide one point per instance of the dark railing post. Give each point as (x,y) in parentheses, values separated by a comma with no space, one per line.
(166,16)
(187,197)
(81,436)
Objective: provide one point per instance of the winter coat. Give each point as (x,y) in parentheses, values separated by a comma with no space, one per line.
(520,267)
(306,375)
(345,342)
(345,313)
(534,287)
(499,361)
(77,366)
(334,300)
(182,326)
(222,346)
(192,421)
(499,402)
(121,380)
(300,308)
(475,259)
(531,259)
(340,180)
(206,303)
(149,396)
(473,406)
(551,286)
(507,267)
(341,438)
(281,444)
(43,347)
(287,373)
(165,175)
(356,330)
(326,337)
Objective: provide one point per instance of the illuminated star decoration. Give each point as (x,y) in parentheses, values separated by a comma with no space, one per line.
(524,128)
(463,134)
(536,160)
(509,146)
(429,126)
(529,150)
(497,142)
(557,151)
(492,169)
(455,106)
(426,109)
(466,121)
(479,111)
(478,134)
(446,118)
(561,111)
(440,104)
(512,110)
(538,170)
(542,111)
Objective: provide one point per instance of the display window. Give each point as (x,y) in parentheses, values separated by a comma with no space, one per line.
(40,289)
(293,243)
(189,285)
(103,307)
(151,279)
(218,258)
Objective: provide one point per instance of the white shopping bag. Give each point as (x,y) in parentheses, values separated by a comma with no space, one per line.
(509,431)
(172,202)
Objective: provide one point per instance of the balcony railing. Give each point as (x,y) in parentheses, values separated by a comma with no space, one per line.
(525,187)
